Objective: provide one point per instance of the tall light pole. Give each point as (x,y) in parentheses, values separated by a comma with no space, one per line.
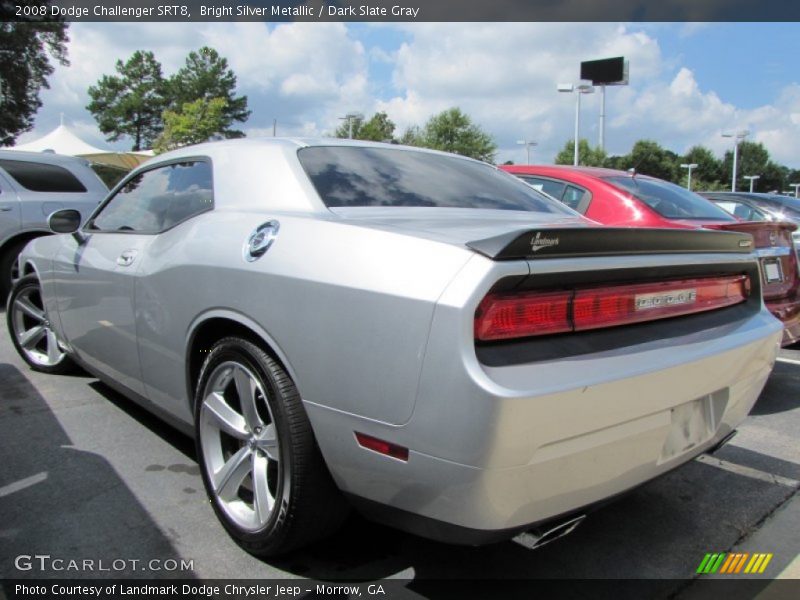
(739,135)
(689,166)
(527,144)
(795,186)
(752,178)
(578,90)
(350,117)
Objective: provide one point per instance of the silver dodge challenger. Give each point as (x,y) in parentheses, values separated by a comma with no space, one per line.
(411,333)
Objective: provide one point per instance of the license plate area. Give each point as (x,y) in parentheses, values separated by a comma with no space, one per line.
(694,423)
(771,267)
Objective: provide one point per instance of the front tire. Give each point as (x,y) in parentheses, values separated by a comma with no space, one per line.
(261,467)
(9,272)
(31,331)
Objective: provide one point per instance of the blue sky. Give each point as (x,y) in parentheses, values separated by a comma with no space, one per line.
(689,81)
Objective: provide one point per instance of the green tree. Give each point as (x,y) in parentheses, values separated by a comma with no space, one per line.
(754,159)
(379,128)
(196,122)
(131,103)
(708,173)
(205,76)
(587,156)
(411,137)
(649,158)
(453,131)
(25,52)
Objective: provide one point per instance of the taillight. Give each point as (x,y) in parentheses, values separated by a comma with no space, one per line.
(524,314)
(520,315)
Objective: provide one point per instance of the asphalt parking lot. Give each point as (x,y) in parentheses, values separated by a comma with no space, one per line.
(86,474)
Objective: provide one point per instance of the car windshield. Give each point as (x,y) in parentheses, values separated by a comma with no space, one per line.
(362,176)
(669,200)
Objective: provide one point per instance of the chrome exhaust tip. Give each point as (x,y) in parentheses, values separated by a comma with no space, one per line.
(539,536)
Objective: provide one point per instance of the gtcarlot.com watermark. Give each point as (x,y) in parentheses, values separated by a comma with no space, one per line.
(49,563)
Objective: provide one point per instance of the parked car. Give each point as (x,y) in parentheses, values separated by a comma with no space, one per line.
(33,185)
(620,198)
(772,207)
(412,333)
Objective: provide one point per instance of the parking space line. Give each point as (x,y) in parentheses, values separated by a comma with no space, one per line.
(17,486)
(790,361)
(747,471)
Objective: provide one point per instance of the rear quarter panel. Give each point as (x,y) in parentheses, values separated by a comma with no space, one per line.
(347,309)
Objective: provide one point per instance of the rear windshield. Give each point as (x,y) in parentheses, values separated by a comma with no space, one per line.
(359,176)
(669,200)
(792,204)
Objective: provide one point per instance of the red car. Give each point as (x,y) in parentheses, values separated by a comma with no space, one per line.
(621,198)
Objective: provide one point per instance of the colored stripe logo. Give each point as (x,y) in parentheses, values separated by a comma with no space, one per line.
(734,563)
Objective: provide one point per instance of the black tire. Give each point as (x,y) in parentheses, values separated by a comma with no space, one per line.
(8,261)
(28,290)
(307,504)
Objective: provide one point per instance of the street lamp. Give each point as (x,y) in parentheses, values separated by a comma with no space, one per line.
(583,88)
(350,117)
(739,135)
(752,179)
(689,166)
(527,145)
(795,186)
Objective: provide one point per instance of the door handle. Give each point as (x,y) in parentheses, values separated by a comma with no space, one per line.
(126,258)
(5,209)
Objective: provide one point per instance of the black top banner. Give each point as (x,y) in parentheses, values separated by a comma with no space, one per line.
(402,10)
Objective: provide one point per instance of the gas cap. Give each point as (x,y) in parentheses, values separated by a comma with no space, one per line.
(260,240)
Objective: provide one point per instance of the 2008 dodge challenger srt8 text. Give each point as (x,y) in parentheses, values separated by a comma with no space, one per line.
(412,333)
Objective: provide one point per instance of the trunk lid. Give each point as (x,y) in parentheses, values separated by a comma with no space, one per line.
(775,250)
(455,226)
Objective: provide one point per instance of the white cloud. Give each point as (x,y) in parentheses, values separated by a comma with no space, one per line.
(504,75)
(314,68)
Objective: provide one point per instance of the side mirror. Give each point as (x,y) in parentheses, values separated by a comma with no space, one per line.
(64,221)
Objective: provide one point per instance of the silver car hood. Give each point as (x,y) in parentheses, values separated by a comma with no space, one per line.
(454,225)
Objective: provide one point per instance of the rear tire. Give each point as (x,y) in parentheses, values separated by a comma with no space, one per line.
(31,331)
(263,472)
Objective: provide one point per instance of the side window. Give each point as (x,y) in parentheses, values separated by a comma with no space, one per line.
(548,186)
(573,198)
(40,177)
(158,199)
(743,211)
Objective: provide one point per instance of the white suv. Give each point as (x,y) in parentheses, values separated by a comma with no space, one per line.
(33,185)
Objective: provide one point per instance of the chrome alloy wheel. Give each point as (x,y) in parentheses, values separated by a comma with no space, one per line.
(32,329)
(240,446)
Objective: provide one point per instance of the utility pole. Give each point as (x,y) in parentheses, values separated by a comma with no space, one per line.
(689,166)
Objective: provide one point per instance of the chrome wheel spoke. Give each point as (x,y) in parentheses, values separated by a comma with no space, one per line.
(223,416)
(247,387)
(28,339)
(268,442)
(53,351)
(228,479)
(240,445)
(27,307)
(263,501)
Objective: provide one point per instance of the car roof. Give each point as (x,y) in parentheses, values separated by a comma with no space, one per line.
(47,158)
(286,143)
(555,170)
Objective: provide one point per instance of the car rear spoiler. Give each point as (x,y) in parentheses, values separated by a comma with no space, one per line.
(609,241)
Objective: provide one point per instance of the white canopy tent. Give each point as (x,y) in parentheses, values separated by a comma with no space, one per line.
(63,141)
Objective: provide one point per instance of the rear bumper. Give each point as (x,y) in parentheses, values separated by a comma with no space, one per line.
(527,458)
